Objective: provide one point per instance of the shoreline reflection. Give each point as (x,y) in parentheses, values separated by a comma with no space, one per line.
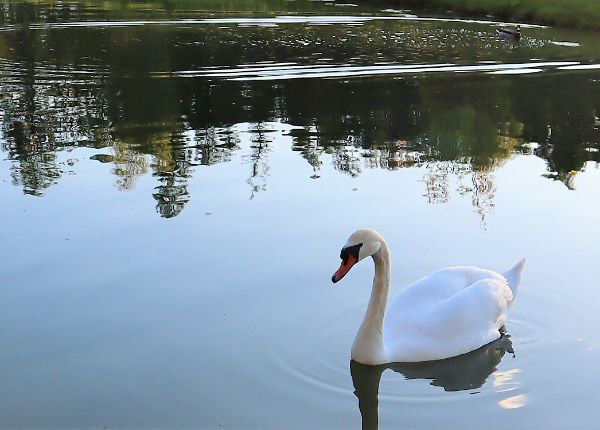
(64,88)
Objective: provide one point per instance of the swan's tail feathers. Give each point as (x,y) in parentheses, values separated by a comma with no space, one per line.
(513,277)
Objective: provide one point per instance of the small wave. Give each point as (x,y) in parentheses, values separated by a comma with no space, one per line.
(264,21)
(48,72)
(295,71)
(525,71)
(570,44)
(581,67)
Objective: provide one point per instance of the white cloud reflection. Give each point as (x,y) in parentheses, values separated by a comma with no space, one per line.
(513,402)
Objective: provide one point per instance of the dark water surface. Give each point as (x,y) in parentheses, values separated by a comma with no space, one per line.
(178,177)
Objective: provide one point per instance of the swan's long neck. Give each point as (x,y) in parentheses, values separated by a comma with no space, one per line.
(368,345)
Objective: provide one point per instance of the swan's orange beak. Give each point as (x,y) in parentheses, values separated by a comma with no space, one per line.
(344,268)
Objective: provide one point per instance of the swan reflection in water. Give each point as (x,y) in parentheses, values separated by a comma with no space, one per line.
(465,372)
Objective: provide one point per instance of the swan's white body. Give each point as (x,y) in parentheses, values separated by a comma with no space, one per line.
(449,312)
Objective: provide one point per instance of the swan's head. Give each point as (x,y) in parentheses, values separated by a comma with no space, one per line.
(360,245)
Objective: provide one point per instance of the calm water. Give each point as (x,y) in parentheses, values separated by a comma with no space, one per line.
(178,177)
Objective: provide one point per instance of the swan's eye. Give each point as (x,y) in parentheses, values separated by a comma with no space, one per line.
(350,250)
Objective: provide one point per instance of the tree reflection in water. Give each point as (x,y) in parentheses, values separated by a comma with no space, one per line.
(465,372)
(94,87)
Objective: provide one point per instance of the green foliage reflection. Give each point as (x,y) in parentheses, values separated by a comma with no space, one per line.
(113,87)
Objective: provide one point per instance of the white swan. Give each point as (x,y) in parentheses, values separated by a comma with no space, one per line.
(447,313)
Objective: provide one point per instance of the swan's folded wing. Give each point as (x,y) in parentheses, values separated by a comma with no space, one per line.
(471,318)
(461,323)
(440,285)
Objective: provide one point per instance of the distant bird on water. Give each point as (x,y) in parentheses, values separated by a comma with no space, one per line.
(509,33)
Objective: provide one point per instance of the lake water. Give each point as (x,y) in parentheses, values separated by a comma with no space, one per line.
(178,178)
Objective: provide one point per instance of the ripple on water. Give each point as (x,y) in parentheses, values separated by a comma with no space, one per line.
(256,21)
(14,71)
(569,44)
(487,372)
(525,71)
(327,351)
(298,71)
